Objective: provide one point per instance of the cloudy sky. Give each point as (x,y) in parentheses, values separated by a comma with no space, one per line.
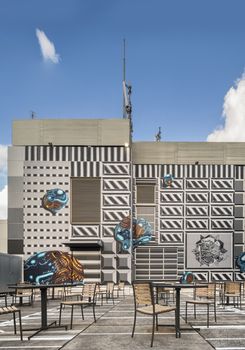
(185,61)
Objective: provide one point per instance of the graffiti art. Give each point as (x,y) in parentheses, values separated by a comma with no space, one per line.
(167,180)
(141,232)
(54,200)
(187,277)
(240,261)
(53,267)
(209,250)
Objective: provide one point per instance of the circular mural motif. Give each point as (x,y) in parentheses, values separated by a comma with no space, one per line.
(53,267)
(187,277)
(167,180)
(54,200)
(240,261)
(209,250)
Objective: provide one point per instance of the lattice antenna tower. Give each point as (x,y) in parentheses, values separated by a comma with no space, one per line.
(127,91)
(158,136)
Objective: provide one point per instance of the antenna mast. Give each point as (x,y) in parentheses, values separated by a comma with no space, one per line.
(127,91)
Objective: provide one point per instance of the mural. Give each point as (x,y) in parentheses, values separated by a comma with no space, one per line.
(240,261)
(209,250)
(54,200)
(167,180)
(53,267)
(187,277)
(141,232)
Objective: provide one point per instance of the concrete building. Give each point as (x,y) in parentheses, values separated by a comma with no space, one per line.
(198,221)
(3,236)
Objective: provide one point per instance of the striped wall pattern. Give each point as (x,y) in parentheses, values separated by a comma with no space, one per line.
(87,231)
(202,200)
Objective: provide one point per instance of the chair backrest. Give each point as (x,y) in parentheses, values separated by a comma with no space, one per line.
(208,292)
(143,294)
(121,285)
(232,287)
(89,290)
(110,287)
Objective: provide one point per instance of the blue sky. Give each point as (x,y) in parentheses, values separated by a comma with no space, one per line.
(183,58)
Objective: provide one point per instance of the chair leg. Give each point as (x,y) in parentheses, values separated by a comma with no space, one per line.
(72,315)
(94,312)
(207,315)
(60,314)
(186,312)
(82,311)
(157,322)
(195,311)
(215,315)
(134,323)
(14,319)
(153,330)
(21,333)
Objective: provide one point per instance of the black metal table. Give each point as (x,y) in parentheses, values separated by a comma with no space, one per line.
(178,286)
(44,314)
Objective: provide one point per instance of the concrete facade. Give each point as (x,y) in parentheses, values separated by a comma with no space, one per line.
(206,198)
(3,236)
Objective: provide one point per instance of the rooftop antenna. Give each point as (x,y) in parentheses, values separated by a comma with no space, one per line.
(158,136)
(33,115)
(127,91)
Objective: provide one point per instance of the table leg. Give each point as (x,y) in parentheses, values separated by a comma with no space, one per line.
(178,312)
(44,307)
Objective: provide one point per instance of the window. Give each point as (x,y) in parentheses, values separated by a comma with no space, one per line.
(85,200)
(145,193)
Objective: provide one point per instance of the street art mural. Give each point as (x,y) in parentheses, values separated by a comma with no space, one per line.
(240,262)
(54,200)
(187,277)
(141,232)
(167,180)
(53,267)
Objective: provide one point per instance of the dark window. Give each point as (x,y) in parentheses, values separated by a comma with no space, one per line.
(85,200)
(145,193)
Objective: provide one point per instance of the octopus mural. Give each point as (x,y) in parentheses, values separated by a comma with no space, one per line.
(54,200)
(209,250)
(167,180)
(141,232)
(240,261)
(53,267)
(187,277)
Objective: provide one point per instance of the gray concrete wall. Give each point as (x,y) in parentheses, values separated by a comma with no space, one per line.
(188,152)
(99,132)
(3,236)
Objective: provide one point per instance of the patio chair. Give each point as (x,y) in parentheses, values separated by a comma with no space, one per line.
(144,302)
(24,293)
(108,292)
(203,296)
(88,299)
(120,287)
(4,295)
(233,290)
(13,310)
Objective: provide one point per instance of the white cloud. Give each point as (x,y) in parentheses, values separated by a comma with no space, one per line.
(4,203)
(47,47)
(3,159)
(233,129)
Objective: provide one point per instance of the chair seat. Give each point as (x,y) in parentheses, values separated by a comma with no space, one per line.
(204,302)
(8,310)
(158,309)
(232,295)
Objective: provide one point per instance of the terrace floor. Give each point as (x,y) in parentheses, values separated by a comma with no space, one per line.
(114,325)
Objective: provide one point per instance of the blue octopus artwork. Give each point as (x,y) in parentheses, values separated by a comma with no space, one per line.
(240,261)
(187,277)
(167,180)
(54,200)
(53,267)
(141,232)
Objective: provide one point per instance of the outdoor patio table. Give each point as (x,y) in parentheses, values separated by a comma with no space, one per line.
(177,286)
(44,319)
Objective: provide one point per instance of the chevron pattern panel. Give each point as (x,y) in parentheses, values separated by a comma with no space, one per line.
(171,197)
(114,215)
(222,184)
(239,276)
(171,224)
(196,197)
(222,210)
(85,231)
(108,230)
(201,276)
(177,184)
(171,237)
(116,200)
(194,184)
(197,224)
(221,276)
(172,210)
(223,224)
(197,210)
(116,185)
(217,197)
(112,169)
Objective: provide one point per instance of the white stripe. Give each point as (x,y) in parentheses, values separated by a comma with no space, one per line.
(235,338)
(156,334)
(231,348)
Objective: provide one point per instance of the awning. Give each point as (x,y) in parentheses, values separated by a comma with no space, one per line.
(84,245)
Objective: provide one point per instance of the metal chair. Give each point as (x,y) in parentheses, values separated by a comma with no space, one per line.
(108,292)
(87,299)
(120,287)
(144,302)
(233,290)
(203,296)
(13,310)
